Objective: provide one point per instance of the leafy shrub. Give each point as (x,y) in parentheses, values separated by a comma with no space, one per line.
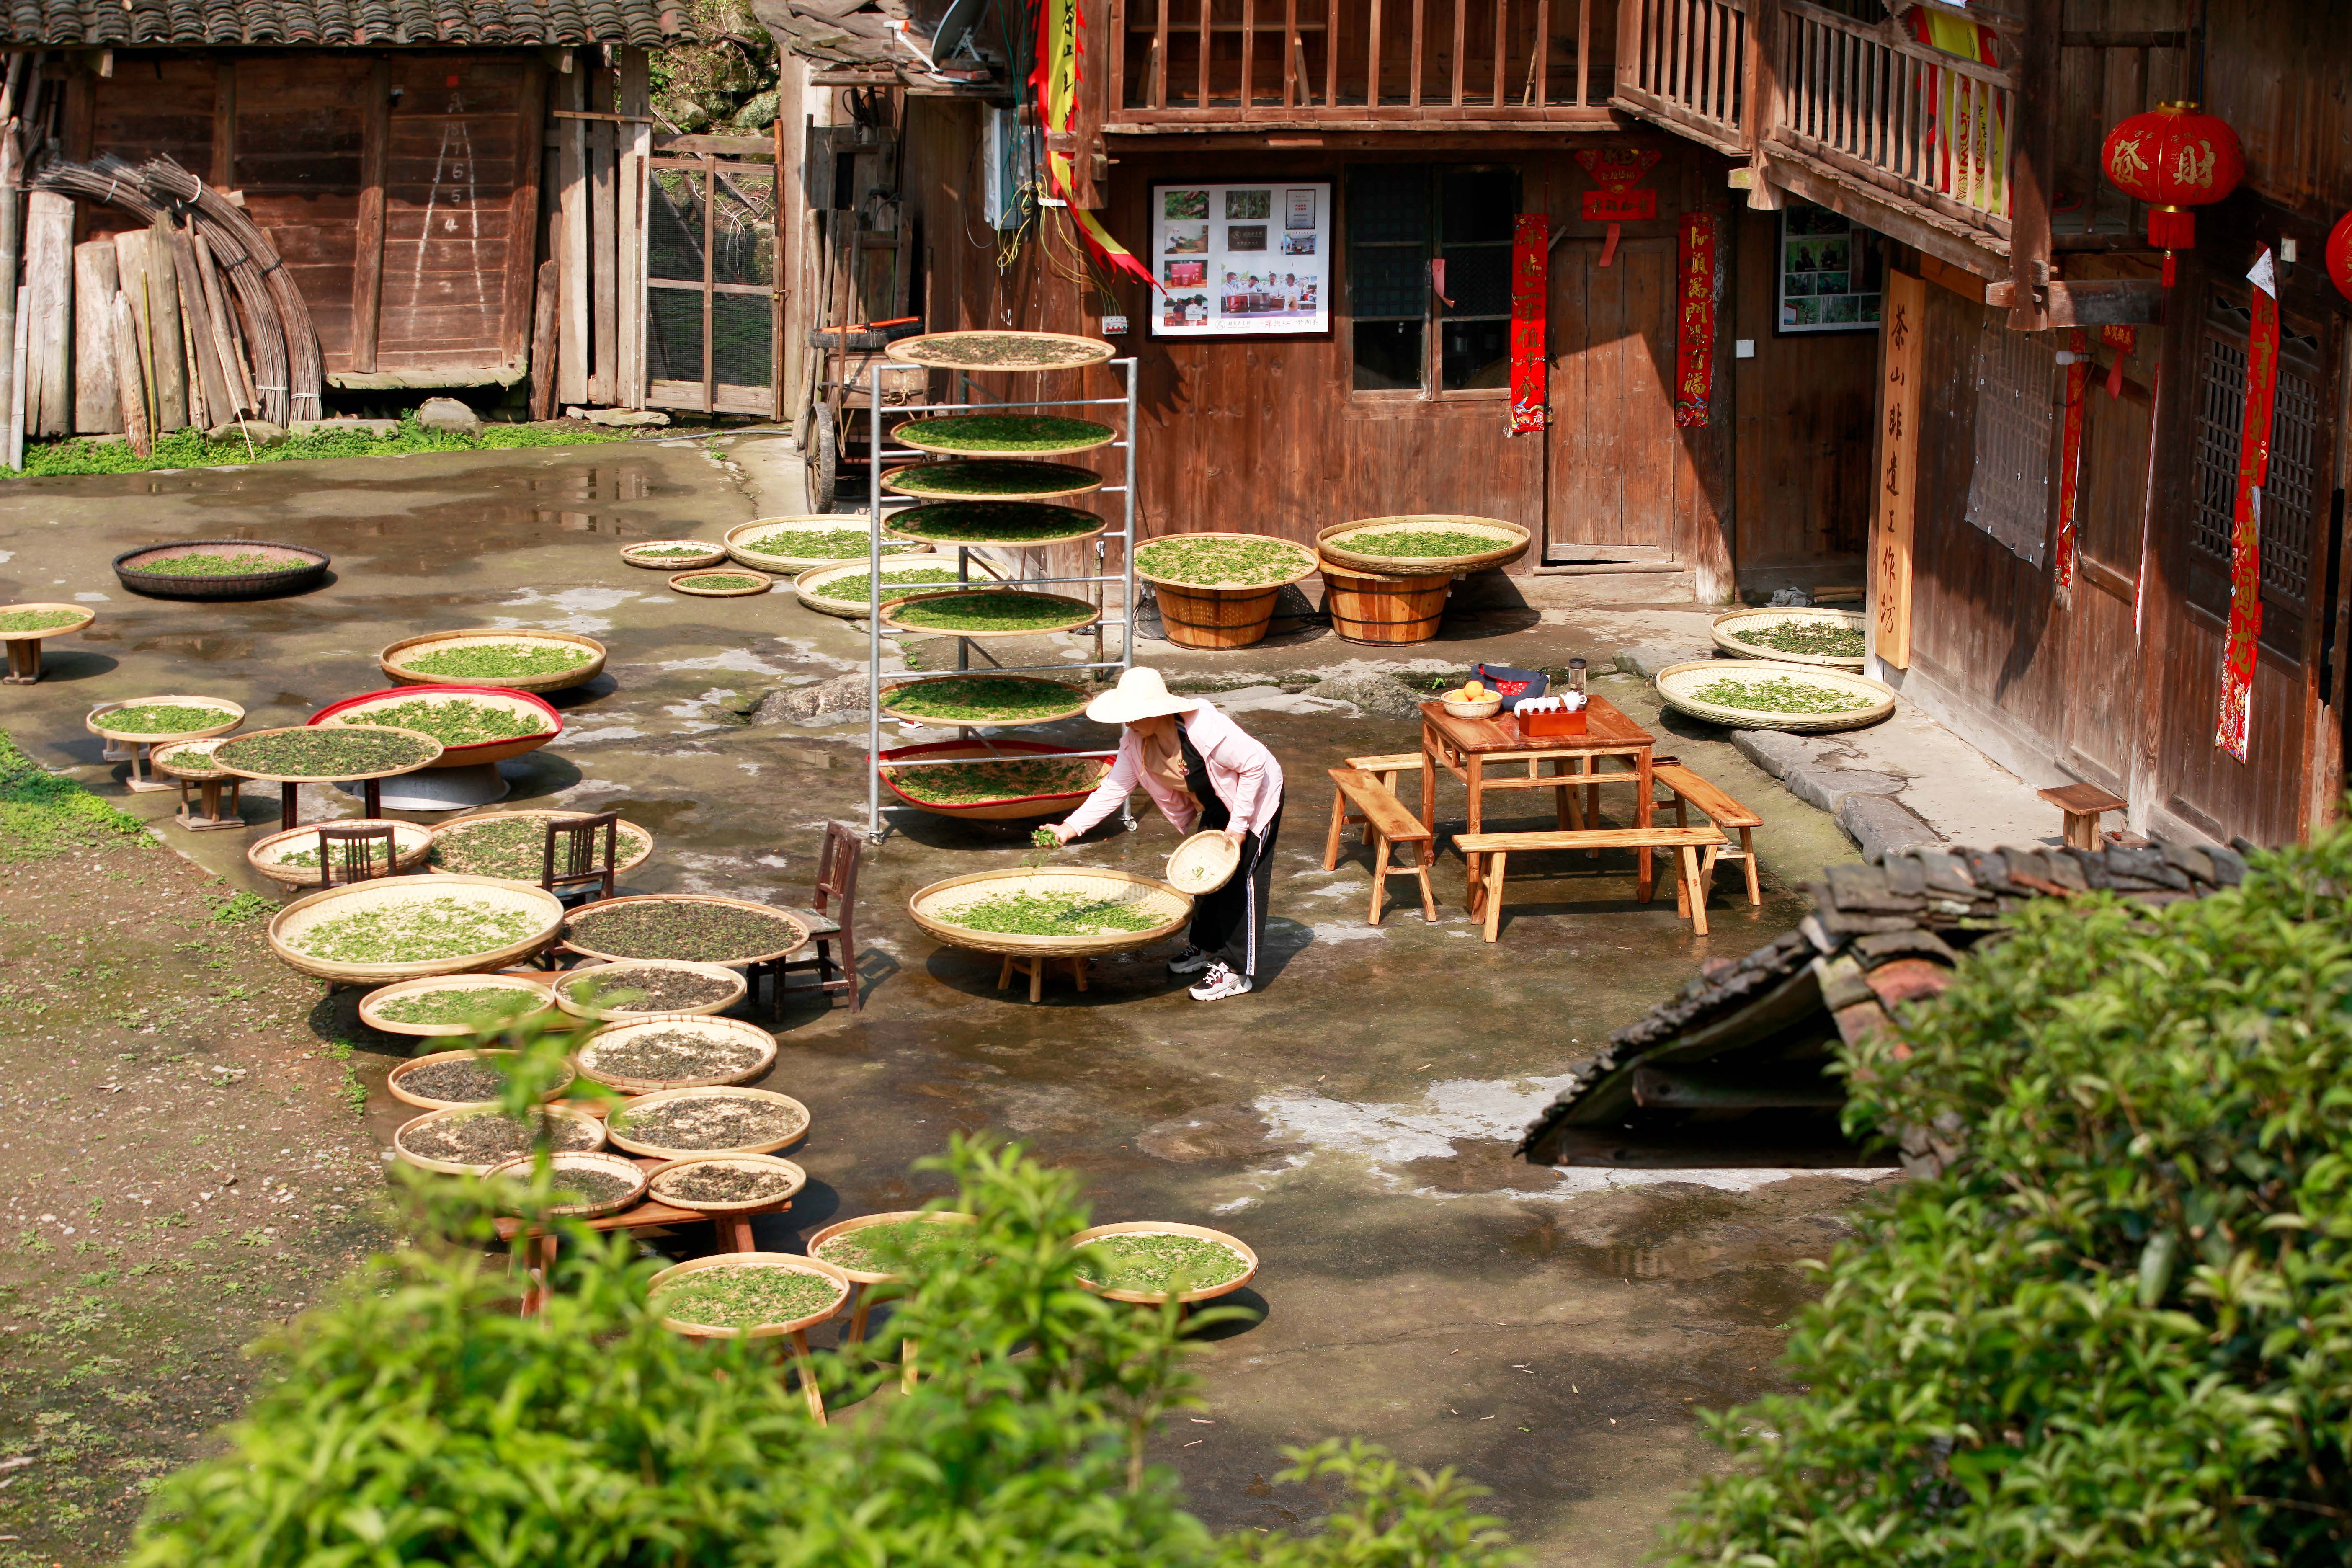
(2117,1330)
(422,1420)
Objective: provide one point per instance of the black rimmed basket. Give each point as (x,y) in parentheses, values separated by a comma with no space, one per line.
(1513,686)
(302,569)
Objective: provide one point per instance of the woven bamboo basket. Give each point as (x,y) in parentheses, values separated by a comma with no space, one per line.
(1078,695)
(232,715)
(520,703)
(1204,863)
(1051,482)
(739,538)
(844,1228)
(1166,1227)
(602,974)
(1729,628)
(338,775)
(429,643)
(1679,683)
(397,1080)
(1214,615)
(372,1005)
(295,568)
(1375,607)
(798,932)
(288,925)
(631,844)
(924,435)
(1342,543)
(957,350)
(86,614)
(450,1168)
(1011,808)
(934,909)
(684,583)
(410,845)
(589,1059)
(1081,614)
(160,758)
(793,1261)
(797,1177)
(935,524)
(644,1103)
(710,554)
(810,586)
(520,1169)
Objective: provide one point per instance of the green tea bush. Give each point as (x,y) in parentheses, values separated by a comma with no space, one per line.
(2117,1330)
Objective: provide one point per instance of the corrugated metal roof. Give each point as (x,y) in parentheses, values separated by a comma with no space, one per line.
(344,23)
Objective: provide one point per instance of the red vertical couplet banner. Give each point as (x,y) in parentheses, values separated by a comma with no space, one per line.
(1530,284)
(2238,651)
(1694,319)
(1056,82)
(2069,460)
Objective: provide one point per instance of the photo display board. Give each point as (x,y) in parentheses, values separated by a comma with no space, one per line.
(1833,272)
(1241,259)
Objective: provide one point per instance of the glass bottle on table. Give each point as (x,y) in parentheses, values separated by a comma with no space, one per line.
(1573,697)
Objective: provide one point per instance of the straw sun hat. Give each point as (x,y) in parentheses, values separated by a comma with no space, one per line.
(1140,694)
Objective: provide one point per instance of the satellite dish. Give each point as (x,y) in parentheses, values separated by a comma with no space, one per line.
(955,28)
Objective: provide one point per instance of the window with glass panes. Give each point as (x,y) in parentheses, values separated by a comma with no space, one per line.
(1401,218)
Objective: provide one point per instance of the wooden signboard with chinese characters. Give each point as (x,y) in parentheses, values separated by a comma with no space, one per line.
(1899,451)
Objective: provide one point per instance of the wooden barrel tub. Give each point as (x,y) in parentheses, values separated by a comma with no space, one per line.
(1375,607)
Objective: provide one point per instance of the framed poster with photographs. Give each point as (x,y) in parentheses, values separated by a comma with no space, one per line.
(1833,272)
(1241,260)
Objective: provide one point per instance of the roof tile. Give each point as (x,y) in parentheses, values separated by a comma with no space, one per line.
(338,24)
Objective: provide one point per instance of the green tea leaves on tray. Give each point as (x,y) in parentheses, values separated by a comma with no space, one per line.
(486,1137)
(494,661)
(886,1248)
(857,587)
(1823,639)
(818,544)
(1157,1263)
(655,989)
(994,522)
(473,1003)
(720,581)
(453,720)
(162,719)
(1053,915)
(1000,351)
(324,753)
(202,565)
(1432,543)
(1779,694)
(414,930)
(742,1297)
(37,620)
(670,552)
(987,476)
(1224,562)
(716,1182)
(679,928)
(515,847)
(1003,432)
(983,700)
(991,610)
(974,783)
(667,1055)
(719,1119)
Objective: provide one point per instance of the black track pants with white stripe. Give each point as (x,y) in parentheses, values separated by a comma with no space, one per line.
(1229,924)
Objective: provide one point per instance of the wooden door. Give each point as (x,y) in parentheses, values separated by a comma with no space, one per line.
(2100,698)
(1612,458)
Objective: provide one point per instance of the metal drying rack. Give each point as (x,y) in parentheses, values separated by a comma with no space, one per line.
(874,829)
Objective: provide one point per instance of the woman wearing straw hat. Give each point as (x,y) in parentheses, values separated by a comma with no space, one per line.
(1203,772)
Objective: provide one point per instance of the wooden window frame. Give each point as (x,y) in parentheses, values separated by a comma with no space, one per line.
(1433,246)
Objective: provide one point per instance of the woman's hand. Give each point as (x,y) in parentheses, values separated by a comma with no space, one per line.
(1061,832)
(1234,836)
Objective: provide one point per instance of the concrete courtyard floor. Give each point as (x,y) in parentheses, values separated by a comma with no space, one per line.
(1552,1333)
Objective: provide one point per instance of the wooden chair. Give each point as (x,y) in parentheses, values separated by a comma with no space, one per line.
(2082,805)
(1389,826)
(832,916)
(1689,791)
(572,856)
(1388,768)
(1690,894)
(359,854)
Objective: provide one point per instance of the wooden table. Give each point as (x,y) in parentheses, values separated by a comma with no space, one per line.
(1466,747)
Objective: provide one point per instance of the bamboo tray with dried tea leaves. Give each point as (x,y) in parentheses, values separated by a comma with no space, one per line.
(466,1141)
(605,1183)
(726,1183)
(644,986)
(699,928)
(1147,1261)
(682,1052)
(672,1122)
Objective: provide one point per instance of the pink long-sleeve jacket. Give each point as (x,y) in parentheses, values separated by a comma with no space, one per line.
(1241,770)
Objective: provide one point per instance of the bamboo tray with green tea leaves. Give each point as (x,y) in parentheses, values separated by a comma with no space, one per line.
(1223,561)
(1007,524)
(1765,694)
(721,585)
(994,701)
(1004,434)
(989,613)
(290,856)
(848,590)
(673,554)
(513,844)
(303,753)
(475,724)
(408,928)
(1058,914)
(144,719)
(991,479)
(794,544)
(1149,1262)
(1423,544)
(984,350)
(1836,638)
(1004,781)
(517,659)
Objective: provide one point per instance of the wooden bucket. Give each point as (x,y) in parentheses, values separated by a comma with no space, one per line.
(1374,608)
(1215,617)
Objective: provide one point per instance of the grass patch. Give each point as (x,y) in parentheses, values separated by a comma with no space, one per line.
(44,814)
(191,449)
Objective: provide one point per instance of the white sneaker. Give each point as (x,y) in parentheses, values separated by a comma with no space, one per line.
(1219,984)
(1192,961)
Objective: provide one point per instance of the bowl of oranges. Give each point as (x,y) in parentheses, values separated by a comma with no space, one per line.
(1472,700)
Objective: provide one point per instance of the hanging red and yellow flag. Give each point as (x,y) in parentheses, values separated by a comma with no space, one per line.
(1694,319)
(1530,274)
(2239,650)
(2070,461)
(1056,82)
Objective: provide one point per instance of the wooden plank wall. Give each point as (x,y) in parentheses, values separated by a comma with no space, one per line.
(2275,70)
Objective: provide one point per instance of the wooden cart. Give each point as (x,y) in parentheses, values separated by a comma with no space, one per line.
(838,450)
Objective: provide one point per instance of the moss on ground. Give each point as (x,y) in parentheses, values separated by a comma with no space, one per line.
(44,814)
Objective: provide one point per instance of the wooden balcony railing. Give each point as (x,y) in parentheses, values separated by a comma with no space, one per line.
(1686,62)
(1391,63)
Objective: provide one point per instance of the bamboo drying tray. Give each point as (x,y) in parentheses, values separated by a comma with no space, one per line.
(913,522)
(1052,480)
(473,753)
(1677,682)
(843,1227)
(585,1060)
(1511,541)
(181,770)
(934,910)
(913,434)
(799,928)
(299,568)
(1011,808)
(337,776)
(1307,563)
(309,909)
(631,844)
(1727,629)
(807,523)
(680,584)
(518,1169)
(809,586)
(395,1081)
(450,1168)
(1079,698)
(713,554)
(599,973)
(670,1096)
(389,660)
(372,1007)
(25,647)
(793,1262)
(95,721)
(1082,616)
(410,844)
(952,350)
(1204,863)
(1167,1227)
(794,1174)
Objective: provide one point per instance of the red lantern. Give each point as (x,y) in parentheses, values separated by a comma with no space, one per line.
(2339,255)
(2173,157)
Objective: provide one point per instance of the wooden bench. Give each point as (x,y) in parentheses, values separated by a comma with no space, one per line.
(2083,804)
(1388,767)
(1388,827)
(1691,791)
(1690,893)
